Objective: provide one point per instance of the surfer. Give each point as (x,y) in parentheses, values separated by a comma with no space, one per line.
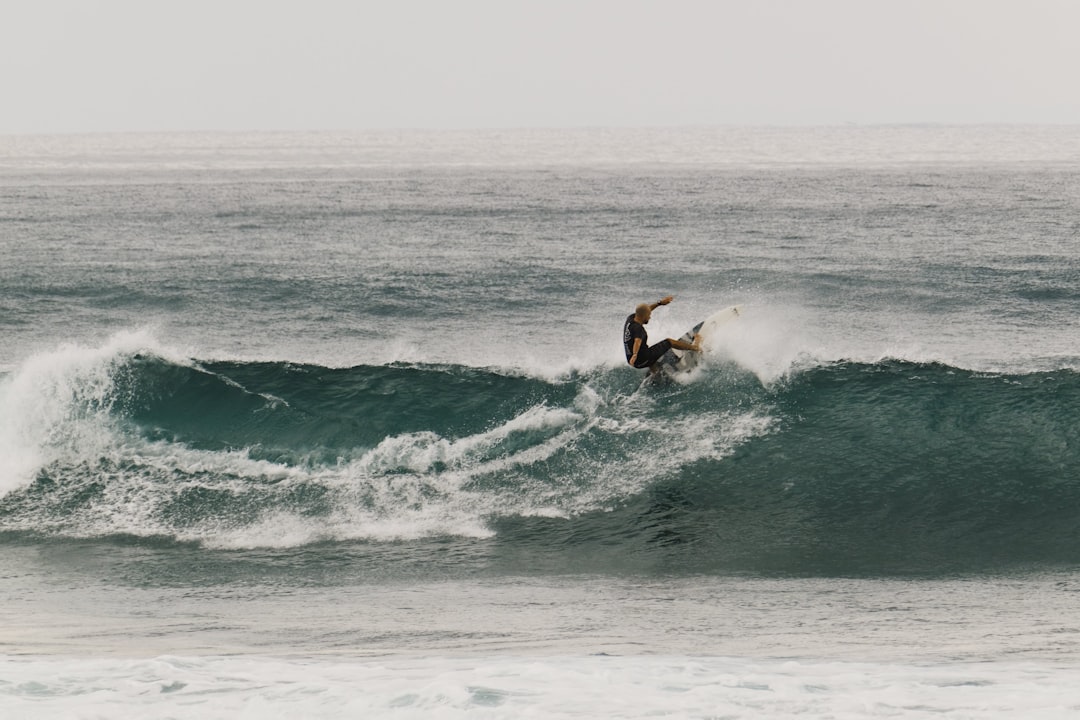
(636,341)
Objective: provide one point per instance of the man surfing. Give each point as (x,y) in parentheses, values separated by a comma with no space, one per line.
(636,341)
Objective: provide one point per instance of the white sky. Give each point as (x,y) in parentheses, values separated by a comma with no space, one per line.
(149,65)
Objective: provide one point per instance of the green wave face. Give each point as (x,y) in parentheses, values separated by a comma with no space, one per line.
(891,467)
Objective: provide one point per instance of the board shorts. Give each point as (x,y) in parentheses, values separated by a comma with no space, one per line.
(647,357)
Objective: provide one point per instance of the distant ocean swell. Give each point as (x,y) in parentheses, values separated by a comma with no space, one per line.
(841,467)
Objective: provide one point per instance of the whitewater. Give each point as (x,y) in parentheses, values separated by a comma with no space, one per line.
(338,425)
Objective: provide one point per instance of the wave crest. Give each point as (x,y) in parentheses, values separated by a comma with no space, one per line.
(844,464)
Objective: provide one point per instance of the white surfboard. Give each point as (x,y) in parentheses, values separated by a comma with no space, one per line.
(675,362)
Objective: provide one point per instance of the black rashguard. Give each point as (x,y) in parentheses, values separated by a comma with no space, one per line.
(646,356)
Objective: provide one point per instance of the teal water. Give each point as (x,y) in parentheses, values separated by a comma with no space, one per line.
(893,467)
(354,397)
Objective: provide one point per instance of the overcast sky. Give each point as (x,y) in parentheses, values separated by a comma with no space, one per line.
(149,65)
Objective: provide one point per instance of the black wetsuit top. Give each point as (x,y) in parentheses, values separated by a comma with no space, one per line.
(647,356)
(633,329)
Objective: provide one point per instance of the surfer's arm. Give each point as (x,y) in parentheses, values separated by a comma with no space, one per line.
(633,355)
(662,301)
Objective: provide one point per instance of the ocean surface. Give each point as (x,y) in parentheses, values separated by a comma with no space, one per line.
(338,425)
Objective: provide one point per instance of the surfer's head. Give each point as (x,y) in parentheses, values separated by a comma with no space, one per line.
(642,313)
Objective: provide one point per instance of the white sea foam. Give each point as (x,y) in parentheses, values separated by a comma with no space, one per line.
(57,403)
(520,686)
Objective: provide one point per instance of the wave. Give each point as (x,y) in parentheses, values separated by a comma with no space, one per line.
(135,439)
(837,467)
(892,466)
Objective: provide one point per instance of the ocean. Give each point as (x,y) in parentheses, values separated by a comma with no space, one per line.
(338,425)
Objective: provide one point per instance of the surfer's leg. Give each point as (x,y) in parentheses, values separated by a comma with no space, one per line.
(648,356)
